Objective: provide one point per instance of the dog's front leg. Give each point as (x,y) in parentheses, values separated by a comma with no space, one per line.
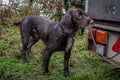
(46,57)
(68,48)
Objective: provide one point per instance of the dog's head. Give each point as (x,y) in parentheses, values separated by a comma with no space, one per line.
(74,19)
(79,18)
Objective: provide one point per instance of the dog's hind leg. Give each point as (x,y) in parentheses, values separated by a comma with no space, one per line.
(46,57)
(25,40)
(30,44)
(34,38)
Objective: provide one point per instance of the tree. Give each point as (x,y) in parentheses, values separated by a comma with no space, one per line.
(75,3)
(53,9)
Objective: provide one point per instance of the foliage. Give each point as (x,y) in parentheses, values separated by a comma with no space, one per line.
(83,65)
(75,3)
(15,10)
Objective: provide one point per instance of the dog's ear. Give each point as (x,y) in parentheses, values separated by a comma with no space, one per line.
(67,17)
(67,22)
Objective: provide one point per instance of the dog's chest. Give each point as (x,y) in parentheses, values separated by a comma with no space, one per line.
(57,40)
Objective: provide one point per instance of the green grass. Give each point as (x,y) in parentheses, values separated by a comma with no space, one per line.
(83,64)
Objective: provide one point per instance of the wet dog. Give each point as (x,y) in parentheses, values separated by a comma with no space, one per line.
(58,36)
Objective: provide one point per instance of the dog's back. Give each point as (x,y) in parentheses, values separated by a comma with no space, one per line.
(37,25)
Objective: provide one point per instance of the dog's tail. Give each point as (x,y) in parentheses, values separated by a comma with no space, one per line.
(17,23)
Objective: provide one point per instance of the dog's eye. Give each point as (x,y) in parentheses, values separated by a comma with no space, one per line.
(80,15)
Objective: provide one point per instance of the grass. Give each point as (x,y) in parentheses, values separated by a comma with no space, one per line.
(83,64)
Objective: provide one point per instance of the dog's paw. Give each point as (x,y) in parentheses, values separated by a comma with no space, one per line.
(67,75)
(46,73)
(32,56)
(24,62)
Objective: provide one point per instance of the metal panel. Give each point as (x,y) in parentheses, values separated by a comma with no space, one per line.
(111,54)
(104,9)
(107,27)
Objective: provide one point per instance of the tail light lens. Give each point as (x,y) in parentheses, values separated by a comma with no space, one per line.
(101,37)
(116,46)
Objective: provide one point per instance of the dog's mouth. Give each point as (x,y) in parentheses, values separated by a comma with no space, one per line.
(87,24)
(90,23)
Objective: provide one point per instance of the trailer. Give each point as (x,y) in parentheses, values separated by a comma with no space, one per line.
(103,38)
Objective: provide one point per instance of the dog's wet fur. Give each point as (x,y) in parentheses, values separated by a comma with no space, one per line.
(57,36)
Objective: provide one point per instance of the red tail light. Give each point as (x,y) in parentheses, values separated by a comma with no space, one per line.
(116,46)
(93,33)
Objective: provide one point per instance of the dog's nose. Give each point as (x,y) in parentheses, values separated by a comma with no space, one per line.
(90,21)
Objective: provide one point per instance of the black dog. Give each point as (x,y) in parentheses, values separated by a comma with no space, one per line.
(58,36)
